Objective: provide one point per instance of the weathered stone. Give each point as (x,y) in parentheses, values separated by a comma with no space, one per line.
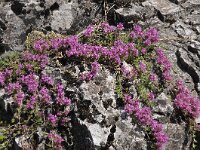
(178,139)
(193,19)
(183,29)
(129,136)
(185,62)
(167,11)
(122,3)
(165,106)
(128,14)
(21,142)
(191,4)
(62,19)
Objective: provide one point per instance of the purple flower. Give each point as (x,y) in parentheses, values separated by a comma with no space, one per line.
(92,74)
(29,67)
(57,139)
(188,103)
(120,27)
(151,96)
(167,76)
(151,36)
(61,99)
(153,77)
(44,93)
(41,45)
(107,28)
(13,87)
(56,43)
(19,98)
(142,66)
(52,119)
(89,30)
(143,51)
(135,52)
(47,79)
(2,78)
(138,30)
(31,82)
(131,105)
(30,104)
(144,115)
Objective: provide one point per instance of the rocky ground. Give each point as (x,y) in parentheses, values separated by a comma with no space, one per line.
(96,123)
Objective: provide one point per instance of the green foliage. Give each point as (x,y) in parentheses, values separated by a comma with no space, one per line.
(9,60)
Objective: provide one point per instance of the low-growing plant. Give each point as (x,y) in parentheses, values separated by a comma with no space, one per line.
(41,103)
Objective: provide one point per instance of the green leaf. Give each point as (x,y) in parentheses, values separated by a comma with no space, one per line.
(2,137)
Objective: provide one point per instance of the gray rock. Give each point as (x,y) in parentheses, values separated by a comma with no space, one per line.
(5,101)
(183,29)
(129,136)
(165,105)
(62,19)
(134,12)
(185,61)
(18,18)
(167,11)
(191,3)
(178,139)
(193,19)
(122,3)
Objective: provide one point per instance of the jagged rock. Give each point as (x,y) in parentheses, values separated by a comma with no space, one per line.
(193,19)
(18,18)
(5,101)
(185,61)
(167,11)
(62,18)
(122,3)
(183,29)
(129,14)
(178,1)
(178,137)
(191,4)
(164,107)
(129,136)
(21,143)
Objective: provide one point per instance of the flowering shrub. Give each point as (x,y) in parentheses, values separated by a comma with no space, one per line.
(41,102)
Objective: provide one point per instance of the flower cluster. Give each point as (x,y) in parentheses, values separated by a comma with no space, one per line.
(41,45)
(44,93)
(144,116)
(89,30)
(2,78)
(46,79)
(127,70)
(165,63)
(11,87)
(41,58)
(120,26)
(92,74)
(185,101)
(31,82)
(61,99)
(53,119)
(19,97)
(131,57)
(57,139)
(151,36)
(107,28)
(4,75)
(56,43)
(31,103)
